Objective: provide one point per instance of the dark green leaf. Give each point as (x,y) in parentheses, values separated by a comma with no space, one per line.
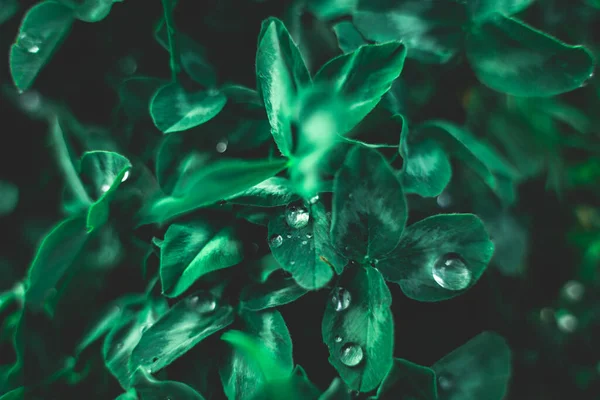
(481,9)
(349,38)
(439,257)
(478,370)
(351,80)
(358,328)
(42,31)
(174,109)
(330,9)
(273,192)
(106,170)
(199,187)
(193,249)
(56,253)
(9,197)
(299,240)
(124,337)
(185,325)
(280,72)
(135,95)
(278,290)
(149,388)
(511,57)
(94,10)
(431,29)
(336,391)
(414,381)
(369,209)
(240,374)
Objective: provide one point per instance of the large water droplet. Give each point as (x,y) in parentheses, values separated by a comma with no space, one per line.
(297,216)
(341,299)
(276,241)
(451,272)
(202,303)
(351,354)
(566,322)
(222,146)
(29,43)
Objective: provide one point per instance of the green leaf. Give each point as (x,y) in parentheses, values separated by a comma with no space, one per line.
(129,395)
(511,57)
(9,197)
(43,29)
(200,187)
(185,325)
(336,391)
(193,249)
(273,192)
(124,337)
(478,370)
(57,252)
(439,257)
(240,374)
(299,240)
(280,73)
(358,328)
(106,171)
(173,109)
(349,38)
(94,10)
(369,208)
(278,290)
(352,81)
(412,380)
(481,9)
(135,94)
(149,388)
(430,29)
(15,394)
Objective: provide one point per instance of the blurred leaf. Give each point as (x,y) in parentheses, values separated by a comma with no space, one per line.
(481,9)
(511,57)
(193,249)
(280,72)
(439,257)
(185,325)
(149,388)
(43,29)
(412,380)
(336,391)
(240,375)
(9,197)
(358,328)
(369,208)
(174,109)
(94,10)
(8,8)
(478,370)
(135,94)
(299,240)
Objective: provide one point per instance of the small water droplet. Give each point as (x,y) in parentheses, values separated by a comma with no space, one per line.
(338,339)
(297,216)
(350,196)
(105,188)
(203,303)
(304,242)
(451,272)
(289,236)
(125,176)
(341,299)
(314,199)
(29,43)
(374,261)
(128,65)
(276,241)
(444,200)
(292,262)
(351,354)
(309,235)
(567,322)
(444,383)
(573,291)
(222,146)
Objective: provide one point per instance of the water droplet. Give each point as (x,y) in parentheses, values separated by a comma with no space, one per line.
(292,262)
(276,241)
(338,339)
(31,101)
(341,299)
(128,65)
(567,322)
(309,235)
(444,200)
(351,354)
(29,43)
(314,199)
(203,303)
(304,242)
(451,272)
(297,216)
(125,176)
(444,383)
(119,346)
(573,290)
(105,188)
(547,314)
(222,146)
(374,261)
(289,235)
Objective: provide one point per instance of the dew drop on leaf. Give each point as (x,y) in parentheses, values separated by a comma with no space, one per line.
(451,272)
(304,242)
(314,199)
(289,236)
(309,235)
(338,339)
(276,241)
(222,146)
(297,216)
(125,176)
(351,354)
(341,299)
(203,304)
(444,383)
(29,43)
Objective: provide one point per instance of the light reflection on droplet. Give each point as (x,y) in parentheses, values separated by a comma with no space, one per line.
(276,241)
(222,146)
(105,188)
(351,354)
(125,176)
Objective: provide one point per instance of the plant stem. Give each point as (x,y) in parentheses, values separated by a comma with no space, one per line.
(168,6)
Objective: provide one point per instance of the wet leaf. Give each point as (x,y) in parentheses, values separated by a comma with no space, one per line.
(273,192)
(276,291)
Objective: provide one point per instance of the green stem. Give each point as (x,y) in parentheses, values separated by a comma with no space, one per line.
(173,49)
